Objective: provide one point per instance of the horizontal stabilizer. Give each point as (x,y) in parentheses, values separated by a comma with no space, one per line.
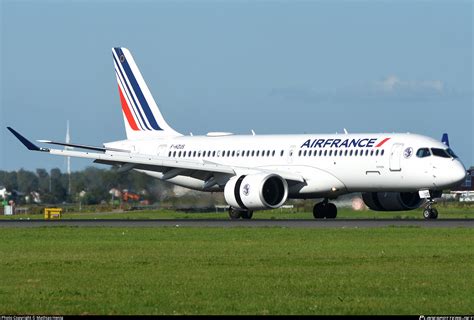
(27,143)
(82,146)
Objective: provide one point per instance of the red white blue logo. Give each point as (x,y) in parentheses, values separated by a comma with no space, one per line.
(135,106)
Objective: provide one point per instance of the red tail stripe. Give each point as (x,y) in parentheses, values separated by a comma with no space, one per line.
(382,142)
(126,111)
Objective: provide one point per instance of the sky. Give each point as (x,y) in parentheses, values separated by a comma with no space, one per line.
(271,66)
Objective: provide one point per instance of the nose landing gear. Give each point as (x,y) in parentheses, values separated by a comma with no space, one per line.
(429,212)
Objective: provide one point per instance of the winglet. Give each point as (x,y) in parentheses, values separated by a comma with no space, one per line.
(445,139)
(28,144)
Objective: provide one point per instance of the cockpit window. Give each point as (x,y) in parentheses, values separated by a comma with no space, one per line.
(451,153)
(423,152)
(440,153)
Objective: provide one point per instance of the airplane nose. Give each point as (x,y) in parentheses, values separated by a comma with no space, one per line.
(458,173)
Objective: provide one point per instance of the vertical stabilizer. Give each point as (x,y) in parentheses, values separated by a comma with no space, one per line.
(143,119)
(445,139)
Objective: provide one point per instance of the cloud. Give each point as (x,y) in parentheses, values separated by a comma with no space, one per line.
(390,88)
(394,84)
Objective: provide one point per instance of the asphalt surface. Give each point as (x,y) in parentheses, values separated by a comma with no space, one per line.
(199,223)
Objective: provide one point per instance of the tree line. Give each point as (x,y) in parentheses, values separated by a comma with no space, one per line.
(90,186)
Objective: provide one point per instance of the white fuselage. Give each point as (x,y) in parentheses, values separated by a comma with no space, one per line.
(331,164)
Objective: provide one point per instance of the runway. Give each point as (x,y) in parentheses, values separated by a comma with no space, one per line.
(200,223)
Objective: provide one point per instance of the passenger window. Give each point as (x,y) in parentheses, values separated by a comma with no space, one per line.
(440,153)
(423,152)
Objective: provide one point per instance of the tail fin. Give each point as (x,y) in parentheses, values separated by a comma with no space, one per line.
(445,139)
(141,115)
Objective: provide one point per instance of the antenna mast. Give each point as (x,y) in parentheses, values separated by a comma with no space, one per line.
(68,140)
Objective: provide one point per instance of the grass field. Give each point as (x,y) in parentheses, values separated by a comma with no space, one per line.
(63,270)
(445,212)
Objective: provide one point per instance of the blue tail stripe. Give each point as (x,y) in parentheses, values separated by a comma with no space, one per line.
(131,95)
(138,91)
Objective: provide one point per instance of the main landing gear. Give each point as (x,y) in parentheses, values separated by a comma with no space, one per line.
(235,214)
(429,212)
(325,209)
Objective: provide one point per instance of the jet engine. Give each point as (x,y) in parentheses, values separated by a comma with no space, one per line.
(256,191)
(392,201)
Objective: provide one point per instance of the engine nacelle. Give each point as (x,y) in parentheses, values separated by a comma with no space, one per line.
(256,191)
(392,201)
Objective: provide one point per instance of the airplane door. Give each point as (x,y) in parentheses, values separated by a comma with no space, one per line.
(395,156)
(291,153)
(162,148)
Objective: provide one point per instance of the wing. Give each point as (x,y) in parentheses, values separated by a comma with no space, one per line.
(199,168)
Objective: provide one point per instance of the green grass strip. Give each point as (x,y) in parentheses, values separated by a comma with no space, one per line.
(66,270)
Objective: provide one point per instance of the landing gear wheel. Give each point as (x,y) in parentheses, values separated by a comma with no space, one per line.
(331,211)
(247,215)
(234,214)
(427,213)
(324,210)
(318,211)
(430,213)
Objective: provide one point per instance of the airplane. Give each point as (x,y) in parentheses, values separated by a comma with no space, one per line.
(392,171)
